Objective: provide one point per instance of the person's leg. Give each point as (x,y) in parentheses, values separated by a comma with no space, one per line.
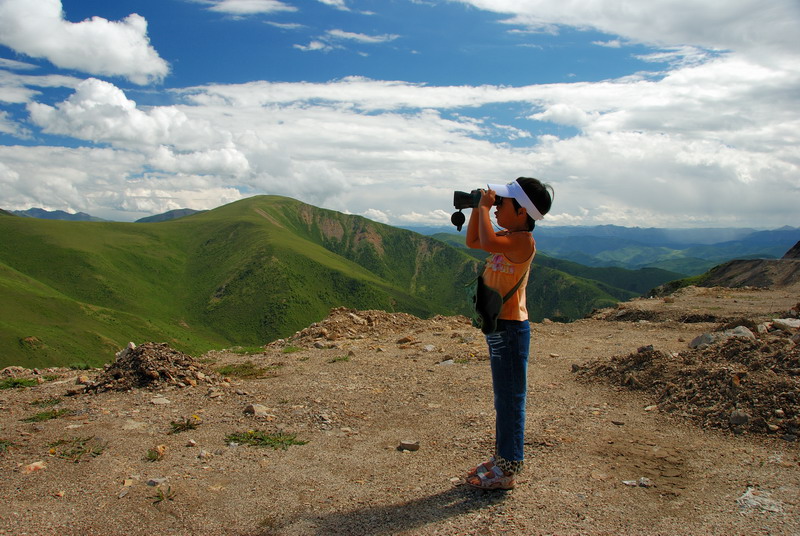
(508,352)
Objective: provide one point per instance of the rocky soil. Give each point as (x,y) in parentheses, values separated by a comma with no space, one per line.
(366,422)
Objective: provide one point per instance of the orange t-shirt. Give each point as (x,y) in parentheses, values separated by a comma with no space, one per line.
(501,274)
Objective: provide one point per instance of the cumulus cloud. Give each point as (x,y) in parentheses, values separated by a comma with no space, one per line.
(706,135)
(96,46)
(746,26)
(100,112)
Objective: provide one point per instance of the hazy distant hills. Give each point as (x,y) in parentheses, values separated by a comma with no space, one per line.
(243,274)
(684,251)
(169,215)
(43,214)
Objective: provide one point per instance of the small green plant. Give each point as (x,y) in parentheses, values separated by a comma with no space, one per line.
(247,370)
(340,359)
(47,415)
(190,423)
(45,402)
(76,448)
(4,445)
(80,366)
(291,349)
(155,454)
(17,383)
(161,495)
(258,438)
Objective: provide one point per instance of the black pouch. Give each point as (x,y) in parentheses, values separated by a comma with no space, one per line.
(487,304)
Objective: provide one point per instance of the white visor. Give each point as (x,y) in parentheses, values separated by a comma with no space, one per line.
(513,189)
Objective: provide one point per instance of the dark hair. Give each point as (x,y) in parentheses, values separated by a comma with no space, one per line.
(540,193)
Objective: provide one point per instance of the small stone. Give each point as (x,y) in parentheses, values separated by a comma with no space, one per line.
(429,348)
(738,418)
(257,410)
(555,355)
(191,443)
(33,467)
(651,408)
(160,401)
(409,445)
(153,482)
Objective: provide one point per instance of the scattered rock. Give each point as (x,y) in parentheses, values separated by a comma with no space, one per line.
(33,467)
(758,500)
(258,410)
(409,445)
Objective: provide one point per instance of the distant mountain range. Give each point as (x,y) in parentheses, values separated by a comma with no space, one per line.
(245,274)
(684,251)
(43,214)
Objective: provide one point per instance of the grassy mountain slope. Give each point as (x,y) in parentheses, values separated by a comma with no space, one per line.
(245,273)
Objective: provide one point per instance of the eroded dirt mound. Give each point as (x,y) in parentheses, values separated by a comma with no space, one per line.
(344,323)
(153,365)
(741,384)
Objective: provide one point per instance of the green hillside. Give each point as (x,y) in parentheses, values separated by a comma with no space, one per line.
(243,274)
(246,273)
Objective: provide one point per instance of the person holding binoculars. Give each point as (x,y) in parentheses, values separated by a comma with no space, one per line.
(519,205)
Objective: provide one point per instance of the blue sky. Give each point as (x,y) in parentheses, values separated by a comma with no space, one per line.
(667,113)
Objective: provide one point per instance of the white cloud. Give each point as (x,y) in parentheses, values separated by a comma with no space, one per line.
(748,26)
(707,136)
(361,38)
(338,4)
(100,112)
(247,7)
(614,43)
(96,46)
(314,46)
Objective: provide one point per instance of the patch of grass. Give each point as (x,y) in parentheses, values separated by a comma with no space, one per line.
(50,377)
(258,438)
(247,370)
(161,495)
(45,402)
(47,415)
(340,359)
(17,383)
(291,349)
(76,448)
(80,366)
(155,454)
(190,423)
(4,445)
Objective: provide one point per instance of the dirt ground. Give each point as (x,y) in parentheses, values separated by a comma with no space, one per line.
(622,438)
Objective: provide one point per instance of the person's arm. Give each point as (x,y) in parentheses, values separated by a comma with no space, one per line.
(481,235)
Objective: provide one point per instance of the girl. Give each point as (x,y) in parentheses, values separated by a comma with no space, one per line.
(519,205)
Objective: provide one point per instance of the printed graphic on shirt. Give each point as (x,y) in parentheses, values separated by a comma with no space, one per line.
(498,263)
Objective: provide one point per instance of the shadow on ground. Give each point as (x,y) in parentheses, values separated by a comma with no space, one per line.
(390,519)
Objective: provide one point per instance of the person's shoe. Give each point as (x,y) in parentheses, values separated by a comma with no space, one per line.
(493,478)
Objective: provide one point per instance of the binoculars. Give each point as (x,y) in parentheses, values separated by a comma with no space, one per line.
(462,200)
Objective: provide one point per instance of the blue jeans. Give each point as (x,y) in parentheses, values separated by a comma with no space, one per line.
(508,352)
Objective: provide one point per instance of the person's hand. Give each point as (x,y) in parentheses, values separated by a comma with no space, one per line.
(487,198)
